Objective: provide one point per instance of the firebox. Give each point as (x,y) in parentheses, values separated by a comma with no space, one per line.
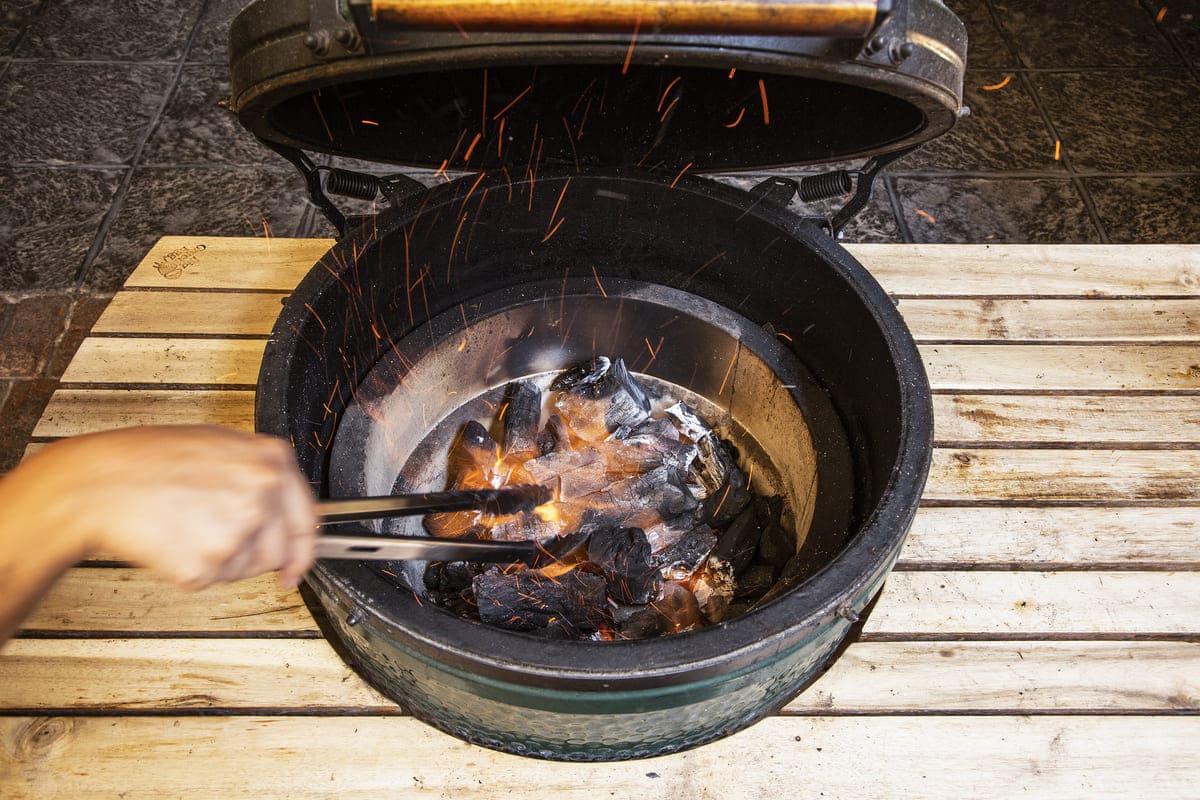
(569,219)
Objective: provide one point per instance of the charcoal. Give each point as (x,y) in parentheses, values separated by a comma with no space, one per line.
(662,534)
(605,379)
(721,507)
(623,556)
(688,421)
(644,451)
(555,437)
(460,603)
(661,428)
(523,527)
(738,543)
(639,622)
(528,601)
(768,508)
(546,469)
(688,554)
(776,546)
(662,489)
(565,549)
(679,608)
(756,581)
(473,457)
(713,464)
(521,416)
(450,576)
(713,588)
(454,524)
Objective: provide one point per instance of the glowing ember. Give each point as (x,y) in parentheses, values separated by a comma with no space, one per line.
(652,528)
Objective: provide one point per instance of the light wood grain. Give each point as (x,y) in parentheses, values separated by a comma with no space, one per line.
(834,757)
(1033,269)
(203,262)
(72,412)
(1030,536)
(965,475)
(1066,419)
(874,677)
(1062,367)
(175,313)
(1090,320)
(182,361)
(912,604)
(1029,603)
(103,599)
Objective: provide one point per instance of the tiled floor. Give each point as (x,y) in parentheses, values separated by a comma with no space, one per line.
(110,136)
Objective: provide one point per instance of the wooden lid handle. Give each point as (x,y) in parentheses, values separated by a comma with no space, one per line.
(841,18)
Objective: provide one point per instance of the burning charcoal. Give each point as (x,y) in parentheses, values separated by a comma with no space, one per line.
(662,534)
(713,588)
(546,469)
(729,501)
(602,379)
(777,546)
(689,422)
(661,489)
(454,524)
(569,548)
(460,603)
(450,576)
(555,437)
(473,457)
(639,622)
(738,543)
(521,416)
(680,608)
(645,451)
(756,581)
(688,554)
(528,601)
(623,556)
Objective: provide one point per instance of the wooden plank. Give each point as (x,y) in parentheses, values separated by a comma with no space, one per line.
(1062,367)
(183,361)
(174,313)
(874,677)
(1070,535)
(1078,270)
(71,412)
(971,475)
(210,262)
(835,757)
(1037,603)
(1066,419)
(104,599)
(164,674)
(1089,320)
(870,677)
(939,602)
(950,367)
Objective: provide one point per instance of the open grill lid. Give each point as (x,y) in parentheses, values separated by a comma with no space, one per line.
(598,83)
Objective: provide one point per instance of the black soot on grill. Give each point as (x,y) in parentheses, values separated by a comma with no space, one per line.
(653,527)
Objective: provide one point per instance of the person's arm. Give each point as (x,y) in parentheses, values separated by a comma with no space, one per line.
(196,504)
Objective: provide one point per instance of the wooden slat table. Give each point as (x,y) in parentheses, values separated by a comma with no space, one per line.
(1040,635)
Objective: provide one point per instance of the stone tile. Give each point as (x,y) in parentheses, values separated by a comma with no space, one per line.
(1181,23)
(1097,33)
(1124,122)
(89,113)
(212,34)
(985,46)
(15,15)
(1142,210)
(217,201)
(194,129)
(113,29)
(85,310)
(29,328)
(1004,131)
(50,218)
(1010,210)
(21,410)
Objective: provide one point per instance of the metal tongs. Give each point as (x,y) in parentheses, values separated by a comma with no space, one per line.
(381,547)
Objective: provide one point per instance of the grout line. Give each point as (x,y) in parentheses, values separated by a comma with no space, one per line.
(119,197)
(1084,195)
(1172,42)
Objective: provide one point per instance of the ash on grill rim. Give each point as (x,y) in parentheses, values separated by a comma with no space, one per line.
(715,651)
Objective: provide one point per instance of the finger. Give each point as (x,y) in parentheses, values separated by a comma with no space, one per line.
(300,512)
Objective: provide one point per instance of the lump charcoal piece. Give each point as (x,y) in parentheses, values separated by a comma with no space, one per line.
(738,543)
(639,622)
(713,464)
(661,428)
(756,581)
(460,603)
(645,452)
(473,457)
(688,422)
(569,548)
(777,546)
(583,481)
(769,508)
(555,437)
(623,557)
(679,608)
(546,469)
(522,415)
(450,576)
(454,524)
(713,587)
(662,534)
(527,601)
(688,554)
(605,379)
(721,507)
(582,416)
(662,489)
(523,527)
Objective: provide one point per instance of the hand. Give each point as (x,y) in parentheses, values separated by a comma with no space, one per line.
(196,504)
